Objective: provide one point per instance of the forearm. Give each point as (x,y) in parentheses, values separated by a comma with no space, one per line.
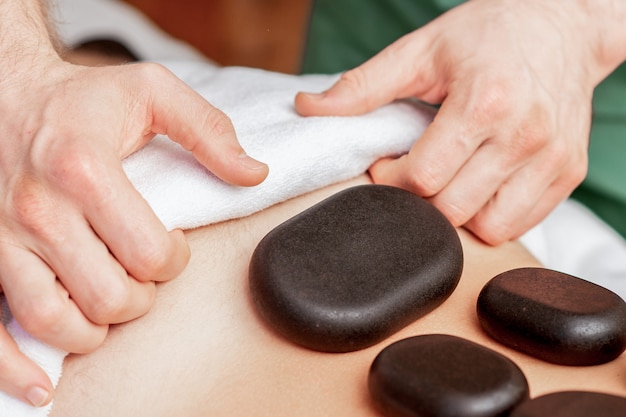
(25,35)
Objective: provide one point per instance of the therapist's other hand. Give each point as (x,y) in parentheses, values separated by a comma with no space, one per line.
(515,82)
(79,247)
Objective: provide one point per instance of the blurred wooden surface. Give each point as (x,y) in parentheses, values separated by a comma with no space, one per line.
(267,34)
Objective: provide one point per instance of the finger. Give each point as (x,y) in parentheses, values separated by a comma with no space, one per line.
(20,377)
(121,218)
(526,198)
(398,71)
(495,227)
(42,306)
(554,195)
(96,282)
(444,147)
(479,180)
(139,241)
(187,118)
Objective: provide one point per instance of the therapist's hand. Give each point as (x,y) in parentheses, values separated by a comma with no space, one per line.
(79,247)
(515,82)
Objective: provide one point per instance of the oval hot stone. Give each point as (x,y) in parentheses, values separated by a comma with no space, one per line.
(355,268)
(573,404)
(553,316)
(444,376)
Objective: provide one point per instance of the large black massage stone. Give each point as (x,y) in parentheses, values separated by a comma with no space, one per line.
(554,316)
(573,404)
(355,268)
(445,376)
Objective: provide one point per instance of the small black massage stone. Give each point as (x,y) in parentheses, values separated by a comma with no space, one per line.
(444,376)
(355,268)
(553,316)
(573,404)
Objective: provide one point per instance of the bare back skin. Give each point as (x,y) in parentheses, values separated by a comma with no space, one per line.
(203,351)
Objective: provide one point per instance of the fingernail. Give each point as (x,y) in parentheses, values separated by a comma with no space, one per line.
(251,163)
(314,96)
(37,396)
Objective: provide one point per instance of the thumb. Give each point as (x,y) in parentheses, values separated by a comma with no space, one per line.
(21,377)
(393,73)
(187,118)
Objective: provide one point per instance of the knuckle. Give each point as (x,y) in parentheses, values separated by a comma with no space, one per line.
(42,317)
(424,180)
(152,72)
(354,79)
(152,262)
(77,169)
(558,157)
(356,83)
(494,102)
(531,137)
(217,122)
(88,345)
(111,304)
(84,177)
(575,173)
(570,162)
(35,210)
(493,229)
(455,214)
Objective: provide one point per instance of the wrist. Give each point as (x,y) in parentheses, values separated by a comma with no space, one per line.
(26,38)
(604,24)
